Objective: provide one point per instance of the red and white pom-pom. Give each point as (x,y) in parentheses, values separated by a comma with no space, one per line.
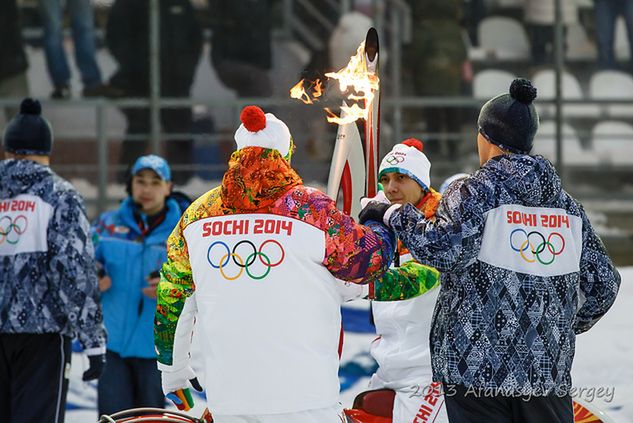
(253,118)
(415,143)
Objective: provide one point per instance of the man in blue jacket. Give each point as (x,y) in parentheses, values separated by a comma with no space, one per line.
(523,272)
(130,249)
(48,283)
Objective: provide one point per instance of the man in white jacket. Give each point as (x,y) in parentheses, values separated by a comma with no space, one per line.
(254,262)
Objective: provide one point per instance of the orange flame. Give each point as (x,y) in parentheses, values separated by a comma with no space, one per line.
(299,93)
(362,83)
(354,79)
(318,89)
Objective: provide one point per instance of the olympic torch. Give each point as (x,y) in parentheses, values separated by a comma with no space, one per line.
(348,170)
(354,168)
(372,122)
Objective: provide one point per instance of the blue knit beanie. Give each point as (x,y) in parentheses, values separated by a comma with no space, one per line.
(510,120)
(29,133)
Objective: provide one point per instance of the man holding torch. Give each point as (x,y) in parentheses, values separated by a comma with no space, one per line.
(254,261)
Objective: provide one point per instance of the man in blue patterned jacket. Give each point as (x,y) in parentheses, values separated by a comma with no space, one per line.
(523,272)
(48,282)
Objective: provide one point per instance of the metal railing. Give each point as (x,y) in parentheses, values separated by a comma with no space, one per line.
(397,23)
(392,111)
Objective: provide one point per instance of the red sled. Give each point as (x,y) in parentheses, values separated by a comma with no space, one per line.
(372,407)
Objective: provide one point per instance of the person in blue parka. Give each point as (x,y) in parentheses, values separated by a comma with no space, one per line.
(130,249)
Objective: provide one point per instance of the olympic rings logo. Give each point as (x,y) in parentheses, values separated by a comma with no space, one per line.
(525,242)
(393,160)
(9,226)
(245,265)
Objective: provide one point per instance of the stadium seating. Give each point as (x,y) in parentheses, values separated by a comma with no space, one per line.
(491,82)
(573,152)
(545,81)
(615,140)
(503,38)
(613,85)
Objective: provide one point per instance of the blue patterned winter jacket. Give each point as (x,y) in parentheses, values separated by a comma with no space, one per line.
(48,282)
(128,258)
(522,270)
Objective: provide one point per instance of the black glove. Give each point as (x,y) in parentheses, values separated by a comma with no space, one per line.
(97,363)
(373,211)
(196,385)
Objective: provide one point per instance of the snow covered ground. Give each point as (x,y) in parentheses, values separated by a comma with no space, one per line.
(602,371)
(604,356)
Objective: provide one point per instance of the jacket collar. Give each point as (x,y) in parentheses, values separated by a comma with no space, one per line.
(256,178)
(428,203)
(127,210)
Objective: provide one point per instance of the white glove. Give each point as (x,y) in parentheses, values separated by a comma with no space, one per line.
(176,386)
(379,198)
(173,381)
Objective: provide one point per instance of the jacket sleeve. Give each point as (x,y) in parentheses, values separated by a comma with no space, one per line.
(408,281)
(96,231)
(599,280)
(353,252)
(71,257)
(176,307)
(452,241)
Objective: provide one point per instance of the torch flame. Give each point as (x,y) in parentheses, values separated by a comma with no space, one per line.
(299,93)
(359,83)
(349,114)
(362,83)
(318,89)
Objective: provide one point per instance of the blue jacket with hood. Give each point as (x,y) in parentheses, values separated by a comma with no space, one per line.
(522,272)
(128,257)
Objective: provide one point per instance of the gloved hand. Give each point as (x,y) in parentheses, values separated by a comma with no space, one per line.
(373,211)
(380,197)
(176,387)
(97,363)
(378,209)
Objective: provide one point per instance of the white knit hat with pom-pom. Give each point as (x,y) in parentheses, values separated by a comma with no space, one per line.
(262,130)
(407,158)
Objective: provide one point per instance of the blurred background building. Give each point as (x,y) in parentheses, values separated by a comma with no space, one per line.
(122,77)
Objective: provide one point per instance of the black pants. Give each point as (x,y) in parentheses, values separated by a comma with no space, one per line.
(542,43)
(477,406)
(129,383)
(34,377)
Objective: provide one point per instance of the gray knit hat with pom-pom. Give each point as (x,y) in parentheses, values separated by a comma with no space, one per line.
(29,133)
(510,120)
